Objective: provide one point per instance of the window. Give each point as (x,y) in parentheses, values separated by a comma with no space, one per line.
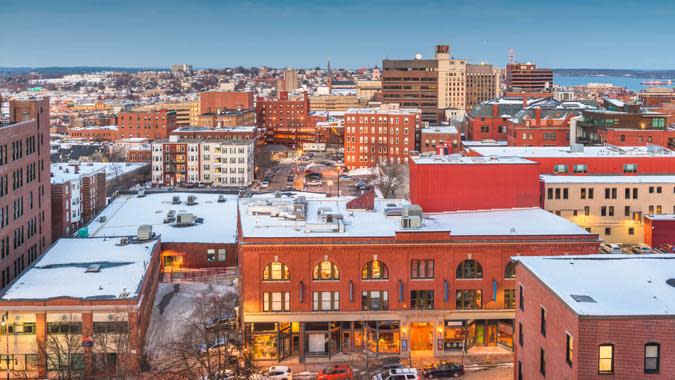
(652,357)
(520,334)
(422,299)
(421,269)
(580,168)
(569,353)
(542,362)
(606,358)
(510,271)
(542,321)
(468,300)
(214,255)
(276,271)
(469,269)
(326,270)
(276,301)
(608,230)
(559,168)
(630,168)
(375,270)
(521,298)
(587,210)
(374,300)
(631,231)
(326,301)
(509,298)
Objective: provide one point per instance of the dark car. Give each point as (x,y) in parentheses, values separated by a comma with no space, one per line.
(390,363)
(443,369)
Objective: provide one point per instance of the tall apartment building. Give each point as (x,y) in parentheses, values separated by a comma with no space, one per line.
(290,82)
(285,121)
(25,204)
(386,134)
(218,162)
(526,77)
(412,84)
(212,101)
(611,206)
(156,124)
(332,103)
(482,84)
(452,80)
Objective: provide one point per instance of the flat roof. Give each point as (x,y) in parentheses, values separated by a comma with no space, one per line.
(477,143)
(662,217)
(620,284)
(565,151)
(457,159)
(257,220)
(440,129)
(126,213)
(64,172)
(617,179)
(205,129)
(62,271)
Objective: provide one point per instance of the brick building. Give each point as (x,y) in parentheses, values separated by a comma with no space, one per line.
(451,183)
(526,77)
(94,133)
(151,124)
(359,277)
(227,118)
(659,230)
(595,317)
(482,84)
(285,121)
(25,204)
(88,291)
(386,134)
(212,101)
(489,120)
(443,137)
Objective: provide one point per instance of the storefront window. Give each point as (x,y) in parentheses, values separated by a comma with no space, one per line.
(383,336)
(454,335)
(505,333)
(264,341)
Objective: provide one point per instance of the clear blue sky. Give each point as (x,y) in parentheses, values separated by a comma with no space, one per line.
(157,33)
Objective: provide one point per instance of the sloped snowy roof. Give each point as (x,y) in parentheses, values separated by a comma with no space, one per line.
(125,213)
(62,271)
(620,285)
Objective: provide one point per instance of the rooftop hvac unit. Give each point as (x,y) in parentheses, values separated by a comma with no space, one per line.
(141,193)
(175,200)
(191,200)
(577,148)
(124,241)
(171,214)
(412,210)
(102,219)
(221,198)
(184,219)
(408,222)
(144,232)
(300,208)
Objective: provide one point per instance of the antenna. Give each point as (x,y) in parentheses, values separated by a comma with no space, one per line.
(512,56)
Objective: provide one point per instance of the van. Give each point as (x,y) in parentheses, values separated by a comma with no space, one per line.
(397,374)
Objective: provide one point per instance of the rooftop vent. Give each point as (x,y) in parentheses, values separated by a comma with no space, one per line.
(191,200)
(412,210)
(671,282)
(124,241)
(144,232)
(141,193)
(102,219)
(175,200)
(577,148)
(221,198)
(94,268)
(184,219)
(582,298)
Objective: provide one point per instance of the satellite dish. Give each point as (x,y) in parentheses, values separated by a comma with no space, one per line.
(418,56)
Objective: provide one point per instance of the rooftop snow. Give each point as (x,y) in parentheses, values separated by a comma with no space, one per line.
(440,129)
(456,159)
(61,271)
(125,213)
(477,143)
(663,217)
(362,223)
(608,179)
(588,151)
(63,172)
(621,285)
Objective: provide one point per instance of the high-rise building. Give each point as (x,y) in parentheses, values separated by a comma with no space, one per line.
(25,204)
(451,79)
(291,80)
(181,68)
(412,84)
(482,84)
(526,77)
(152,125)
(285,121)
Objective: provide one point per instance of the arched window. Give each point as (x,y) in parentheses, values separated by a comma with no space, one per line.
(469,269)
(375,270)
(276,271)
(326,270)
(510,271)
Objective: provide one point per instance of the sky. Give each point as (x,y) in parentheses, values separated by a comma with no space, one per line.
(623,34)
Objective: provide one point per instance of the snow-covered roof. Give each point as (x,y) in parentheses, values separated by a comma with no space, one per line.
(257,220)
(446,129)
(661,217)
(199,129)
(95,127)
(457,160)
(477,143)
(619,285)
(617,179)
(62,271)
(564,151)
(64,172)
(125,213)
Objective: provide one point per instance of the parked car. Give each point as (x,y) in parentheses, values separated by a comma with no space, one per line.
(362,186)
(642,248)
(277,372)
(667,248)
(264,184)
(346,177)
(397,374)
(610,248)
(443,369)
(313,182)
(390,363)
(336,372)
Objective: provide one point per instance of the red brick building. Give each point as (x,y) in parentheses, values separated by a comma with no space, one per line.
(441,138)
(91,291)
(380,135)
(359,277)
(235,133)
(451,183)
(488,121)
(572,324)
(94,133)
(25,204)
(660,229)
(589,160)
(526,77)
(139,154)
(285,121)
(151,124)
(213,101)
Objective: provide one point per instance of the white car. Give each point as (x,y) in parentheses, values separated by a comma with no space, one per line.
(642,248)
(610,248)
(277,372)
(264,185)
(314,182)
(397,374)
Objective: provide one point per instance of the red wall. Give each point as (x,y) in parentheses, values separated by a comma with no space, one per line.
(636,137)
(658,232)
(451,187)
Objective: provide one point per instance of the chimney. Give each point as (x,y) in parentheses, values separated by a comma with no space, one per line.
(537,116)
(495,110)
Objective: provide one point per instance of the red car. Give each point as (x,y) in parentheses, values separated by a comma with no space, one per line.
(336,372)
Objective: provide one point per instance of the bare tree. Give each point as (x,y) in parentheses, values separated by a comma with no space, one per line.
(263,161)
(114,355)
(365,364)
(64,352)
(390,178)
(210,344)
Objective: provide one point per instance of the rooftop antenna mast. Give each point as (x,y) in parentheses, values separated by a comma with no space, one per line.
(512,56)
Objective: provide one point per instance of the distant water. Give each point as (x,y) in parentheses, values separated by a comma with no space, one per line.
(631,83)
